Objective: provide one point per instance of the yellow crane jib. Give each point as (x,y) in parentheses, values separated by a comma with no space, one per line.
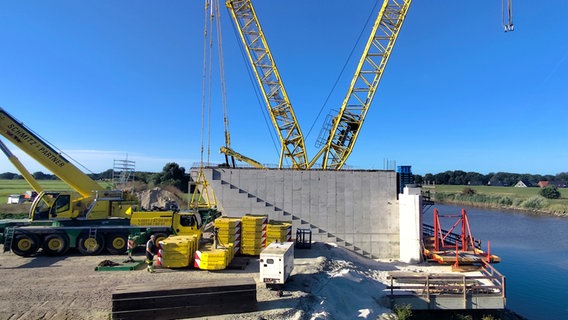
(93,202)
(347,124)
(36,148)
(273,91)
(232,153)
(23,171)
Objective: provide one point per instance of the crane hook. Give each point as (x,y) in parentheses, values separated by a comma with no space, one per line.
(508,15)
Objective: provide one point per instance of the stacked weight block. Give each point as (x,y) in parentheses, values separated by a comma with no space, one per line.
(229,232)
(278,231)
(253,235)
(211,258)
(177,251)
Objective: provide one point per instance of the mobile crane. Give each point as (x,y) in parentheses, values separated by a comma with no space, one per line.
(95,219)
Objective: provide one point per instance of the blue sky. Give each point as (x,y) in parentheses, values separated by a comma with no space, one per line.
(105,80)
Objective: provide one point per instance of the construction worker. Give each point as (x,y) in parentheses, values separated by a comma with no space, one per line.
(151,250)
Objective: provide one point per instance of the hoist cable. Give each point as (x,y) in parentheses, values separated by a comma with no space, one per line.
(204,80)
(361,33)
(256,91)
(507,15)
(222,75)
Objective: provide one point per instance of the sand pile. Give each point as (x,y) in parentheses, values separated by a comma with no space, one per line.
(157,199)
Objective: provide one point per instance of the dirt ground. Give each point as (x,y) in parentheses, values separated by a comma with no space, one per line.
(328,282)
(44,287)
(68,287)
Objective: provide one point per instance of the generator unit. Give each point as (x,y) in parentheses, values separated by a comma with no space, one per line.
(276,263)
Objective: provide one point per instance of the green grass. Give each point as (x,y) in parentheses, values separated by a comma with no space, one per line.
(526,199)
(8,187)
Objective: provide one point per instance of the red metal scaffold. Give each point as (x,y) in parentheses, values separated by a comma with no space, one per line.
(449,247)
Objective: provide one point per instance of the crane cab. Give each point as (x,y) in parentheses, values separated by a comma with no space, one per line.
(51,205)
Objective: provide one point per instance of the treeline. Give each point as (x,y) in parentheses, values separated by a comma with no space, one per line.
(506,179)
(171,175)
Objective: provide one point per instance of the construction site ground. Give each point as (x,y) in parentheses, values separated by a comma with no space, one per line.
(68,287)
(328,282)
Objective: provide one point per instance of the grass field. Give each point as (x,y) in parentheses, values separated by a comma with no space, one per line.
(527,199)
(8,187)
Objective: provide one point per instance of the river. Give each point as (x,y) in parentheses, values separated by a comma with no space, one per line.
(534,253)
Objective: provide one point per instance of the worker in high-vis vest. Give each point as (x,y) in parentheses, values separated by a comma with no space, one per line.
(151,250)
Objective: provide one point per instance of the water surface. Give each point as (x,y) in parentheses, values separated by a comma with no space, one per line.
(534,253)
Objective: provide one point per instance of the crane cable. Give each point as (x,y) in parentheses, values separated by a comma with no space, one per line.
(212,24)
(342,71)
(204,193)
(204,91)
(507,15)
(222,73)
(258,94)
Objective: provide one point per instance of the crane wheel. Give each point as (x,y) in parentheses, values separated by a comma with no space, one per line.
(160,236)
(55,244)
(25,244)
(89,245)
(117,243)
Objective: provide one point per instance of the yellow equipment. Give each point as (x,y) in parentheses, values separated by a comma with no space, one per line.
(23,171)
(347,124)
(93,202)
(340,134)
(273,91)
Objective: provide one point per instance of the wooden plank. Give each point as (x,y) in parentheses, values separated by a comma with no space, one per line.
(157,289)
(184,312)
(169,301)
(174,301)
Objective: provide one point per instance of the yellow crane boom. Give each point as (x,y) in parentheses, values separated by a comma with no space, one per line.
(270,83)
(40,151)
(346,126)
(23,171)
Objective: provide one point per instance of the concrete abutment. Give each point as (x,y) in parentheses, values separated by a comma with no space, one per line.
(357,209)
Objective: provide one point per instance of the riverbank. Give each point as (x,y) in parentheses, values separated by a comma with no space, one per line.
(525,200)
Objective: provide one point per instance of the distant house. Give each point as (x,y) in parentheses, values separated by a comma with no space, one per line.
(522,184)
(15,199)
(557,184)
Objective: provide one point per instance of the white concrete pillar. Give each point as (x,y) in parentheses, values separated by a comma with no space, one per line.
(410,219)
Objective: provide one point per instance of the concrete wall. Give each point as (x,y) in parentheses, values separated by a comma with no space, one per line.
(355,209)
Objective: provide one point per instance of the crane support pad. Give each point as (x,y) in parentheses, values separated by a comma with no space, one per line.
(174,301)
(108,265)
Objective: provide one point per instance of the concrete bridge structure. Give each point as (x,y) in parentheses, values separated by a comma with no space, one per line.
(356,209)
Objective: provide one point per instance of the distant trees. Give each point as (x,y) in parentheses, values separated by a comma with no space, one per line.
(9,176)
(459,177)
(38,175)
(173,175)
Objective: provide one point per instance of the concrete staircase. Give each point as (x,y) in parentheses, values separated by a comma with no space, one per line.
(231,192)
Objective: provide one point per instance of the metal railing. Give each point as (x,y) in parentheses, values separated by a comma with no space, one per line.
(488,282)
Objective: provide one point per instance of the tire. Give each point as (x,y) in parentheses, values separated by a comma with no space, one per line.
(25,245)
(116,243)
(55,244)
(90,246)
(160,236)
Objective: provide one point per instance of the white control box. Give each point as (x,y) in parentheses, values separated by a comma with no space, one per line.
(276,262)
